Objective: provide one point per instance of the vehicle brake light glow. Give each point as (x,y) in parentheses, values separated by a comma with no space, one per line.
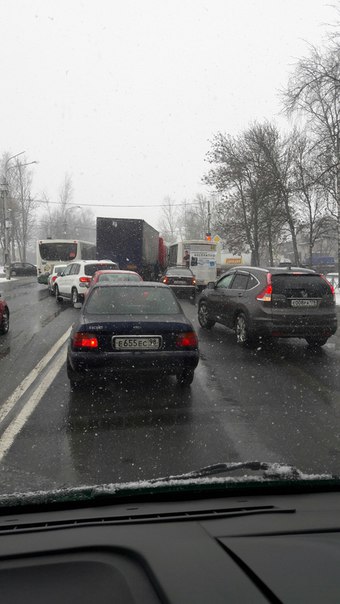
(84,279)
(84,340)
(187,340)
(165,279)
(54,278)
(266,294)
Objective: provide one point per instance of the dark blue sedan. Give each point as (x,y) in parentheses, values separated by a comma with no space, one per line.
(131,327)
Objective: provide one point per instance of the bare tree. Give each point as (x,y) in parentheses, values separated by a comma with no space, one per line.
(195,217)
(311,197)
(313,91)
(168,224)
(250,213)
(21,203)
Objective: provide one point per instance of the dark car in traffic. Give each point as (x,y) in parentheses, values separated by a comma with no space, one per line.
(22,269)
(4,316)
(128,328)
(181,280)
(271,302)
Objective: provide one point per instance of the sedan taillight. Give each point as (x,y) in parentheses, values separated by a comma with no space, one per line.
(187,340)
(84,340)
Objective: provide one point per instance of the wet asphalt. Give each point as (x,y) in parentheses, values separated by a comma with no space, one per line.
(278,402)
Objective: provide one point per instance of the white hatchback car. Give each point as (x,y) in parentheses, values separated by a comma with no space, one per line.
(73,281)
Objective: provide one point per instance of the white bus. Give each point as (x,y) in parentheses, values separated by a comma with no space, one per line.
(54,251)
(199,255)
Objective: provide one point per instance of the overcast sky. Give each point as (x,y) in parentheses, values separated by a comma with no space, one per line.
(124,96)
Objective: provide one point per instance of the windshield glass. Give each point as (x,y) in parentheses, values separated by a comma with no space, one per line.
(112,277)
(179,270)
(58,251)
(91,269)
(196,144)
(131,301)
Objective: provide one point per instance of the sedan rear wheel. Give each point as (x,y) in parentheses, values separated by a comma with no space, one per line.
(186,377)
(75,382)
(4,325)
(316,342)
(203,317)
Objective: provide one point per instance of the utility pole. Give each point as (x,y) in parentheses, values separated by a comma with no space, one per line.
(7,227)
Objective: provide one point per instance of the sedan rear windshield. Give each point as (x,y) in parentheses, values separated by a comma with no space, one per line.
(300,286)
(91,269)
(184,272)
(108,300)
(114,277)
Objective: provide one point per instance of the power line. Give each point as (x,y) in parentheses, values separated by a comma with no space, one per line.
(104,205)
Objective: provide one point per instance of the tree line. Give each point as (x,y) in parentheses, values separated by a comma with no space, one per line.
(32,217)
(276,189)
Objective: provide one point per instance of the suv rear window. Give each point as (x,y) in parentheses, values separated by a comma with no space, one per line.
(91,269)
(300,286)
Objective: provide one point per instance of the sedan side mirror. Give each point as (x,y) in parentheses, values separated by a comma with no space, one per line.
(211,285)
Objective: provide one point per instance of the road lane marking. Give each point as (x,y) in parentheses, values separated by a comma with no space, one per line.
(17,424)
(29,379)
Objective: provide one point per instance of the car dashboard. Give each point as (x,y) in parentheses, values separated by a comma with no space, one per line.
(277,548)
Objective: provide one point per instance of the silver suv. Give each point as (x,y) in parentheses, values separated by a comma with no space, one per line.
(73,281)
(271,303)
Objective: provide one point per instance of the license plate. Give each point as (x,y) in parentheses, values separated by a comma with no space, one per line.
(179,282)
(137,342)
(304,303)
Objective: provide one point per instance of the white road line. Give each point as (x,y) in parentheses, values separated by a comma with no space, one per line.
(29,379)
(16,425)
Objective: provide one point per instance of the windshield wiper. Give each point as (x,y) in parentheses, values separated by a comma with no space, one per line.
(269,471)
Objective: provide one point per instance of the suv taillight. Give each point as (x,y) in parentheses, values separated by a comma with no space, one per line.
(266,294)
(332,288)
(84,279)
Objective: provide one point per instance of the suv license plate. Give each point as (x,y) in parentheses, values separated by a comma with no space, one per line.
(137,343)
(304,303)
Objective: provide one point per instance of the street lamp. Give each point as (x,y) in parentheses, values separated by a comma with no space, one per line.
(65,216)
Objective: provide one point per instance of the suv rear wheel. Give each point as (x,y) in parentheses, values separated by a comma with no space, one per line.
(74,296)
(203,317)
(243,336)
(57,295)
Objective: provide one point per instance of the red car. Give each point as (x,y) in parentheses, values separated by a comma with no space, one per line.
(4,316)
(114,276)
